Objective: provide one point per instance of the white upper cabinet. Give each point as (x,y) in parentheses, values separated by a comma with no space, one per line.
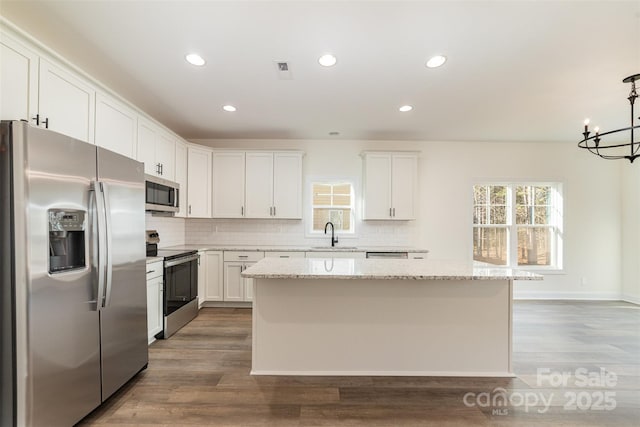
(390,185)
(181,177)
(166,155)
(259,185)
(18,80)
(287,185)
(228,184)
(198,182)
(116,126)
(274,185)
(156,150)
(404,183)
(66,102)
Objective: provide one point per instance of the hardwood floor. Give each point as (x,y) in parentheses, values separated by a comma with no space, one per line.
(200,377)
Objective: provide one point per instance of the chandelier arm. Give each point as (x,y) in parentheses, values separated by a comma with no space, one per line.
(600,135)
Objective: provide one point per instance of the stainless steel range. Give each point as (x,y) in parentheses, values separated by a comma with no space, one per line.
(180,290)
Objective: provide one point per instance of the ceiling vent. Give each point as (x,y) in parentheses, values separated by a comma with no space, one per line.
(283,69)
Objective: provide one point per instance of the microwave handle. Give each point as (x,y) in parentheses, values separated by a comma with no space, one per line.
(176,202)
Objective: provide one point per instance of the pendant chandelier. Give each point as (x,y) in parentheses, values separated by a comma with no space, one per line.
(614,150)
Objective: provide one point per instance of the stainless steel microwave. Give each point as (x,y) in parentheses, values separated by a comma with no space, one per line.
(162,195)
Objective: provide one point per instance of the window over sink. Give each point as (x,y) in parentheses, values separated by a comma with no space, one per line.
(518,225)
(332,201)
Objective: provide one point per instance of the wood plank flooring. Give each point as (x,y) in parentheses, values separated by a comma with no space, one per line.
(200,377)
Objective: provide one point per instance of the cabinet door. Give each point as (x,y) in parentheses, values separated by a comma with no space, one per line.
(233,282)
(147,137)
(198,183)
(214,288)
(403,185)
(228,185)
(154,307)
(287,185)
(115,126)
(67,102)
(259,185)
(377,186)
(181,177)
(18,81)
(166,156)
(247,283)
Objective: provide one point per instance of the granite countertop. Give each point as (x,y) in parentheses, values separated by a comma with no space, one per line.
(151,259)
(409,269)
(258,248)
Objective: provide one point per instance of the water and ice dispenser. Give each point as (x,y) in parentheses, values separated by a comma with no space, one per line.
(66,240)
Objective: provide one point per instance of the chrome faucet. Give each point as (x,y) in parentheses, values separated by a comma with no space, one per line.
(333,240)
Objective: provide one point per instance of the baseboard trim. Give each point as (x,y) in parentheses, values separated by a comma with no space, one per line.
(586,296)
(387,373)
(634,299)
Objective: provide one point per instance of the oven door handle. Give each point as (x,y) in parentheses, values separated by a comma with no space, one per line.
(180,261)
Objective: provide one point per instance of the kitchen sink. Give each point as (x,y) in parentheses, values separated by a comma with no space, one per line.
(324,248)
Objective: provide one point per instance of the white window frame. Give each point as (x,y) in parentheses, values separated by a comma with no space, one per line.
(309,231)
(556,225)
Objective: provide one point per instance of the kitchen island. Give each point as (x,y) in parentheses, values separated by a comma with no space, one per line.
(314,316)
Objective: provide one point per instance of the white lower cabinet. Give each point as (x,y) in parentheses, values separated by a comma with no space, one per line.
(155,284)
(236,287)
(213,287)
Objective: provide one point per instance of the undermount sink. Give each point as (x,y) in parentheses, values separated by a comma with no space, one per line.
(324,248)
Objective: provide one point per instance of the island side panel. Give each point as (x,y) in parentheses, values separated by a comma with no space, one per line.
(381,327)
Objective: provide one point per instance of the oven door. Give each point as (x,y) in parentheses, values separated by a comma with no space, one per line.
(180,282)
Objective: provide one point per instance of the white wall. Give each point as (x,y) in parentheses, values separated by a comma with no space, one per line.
(447,171)
(631,233)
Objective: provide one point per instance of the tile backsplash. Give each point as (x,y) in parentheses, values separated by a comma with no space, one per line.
(171,230)
(260,232)
(292,233)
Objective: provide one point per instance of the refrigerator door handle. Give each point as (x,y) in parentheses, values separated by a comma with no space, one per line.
(108,241)
(96,188)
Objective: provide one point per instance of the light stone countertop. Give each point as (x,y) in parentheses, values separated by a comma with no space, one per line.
(274,248)
(406,269)
(152,259)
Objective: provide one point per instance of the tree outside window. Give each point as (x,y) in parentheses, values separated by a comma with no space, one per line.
(517,224)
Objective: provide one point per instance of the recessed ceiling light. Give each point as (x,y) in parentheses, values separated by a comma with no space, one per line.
(229,108)
(436,61)
(195,59)
(327,60)
(405,108)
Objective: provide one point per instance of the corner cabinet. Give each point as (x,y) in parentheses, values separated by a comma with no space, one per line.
(390,185)
(198,182)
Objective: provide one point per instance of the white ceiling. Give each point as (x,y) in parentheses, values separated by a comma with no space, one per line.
(516,71)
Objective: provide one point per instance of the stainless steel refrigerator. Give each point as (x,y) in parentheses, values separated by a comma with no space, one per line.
(73,291)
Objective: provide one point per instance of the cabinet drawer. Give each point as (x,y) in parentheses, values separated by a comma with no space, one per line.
(243,255)
(319,254)
(284,254)
(154,269)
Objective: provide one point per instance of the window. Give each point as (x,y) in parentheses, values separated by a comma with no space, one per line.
(518,225)
(332,201)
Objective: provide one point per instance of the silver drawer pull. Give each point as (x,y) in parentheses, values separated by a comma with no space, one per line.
(151,271)
(284,256)
(243,256)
